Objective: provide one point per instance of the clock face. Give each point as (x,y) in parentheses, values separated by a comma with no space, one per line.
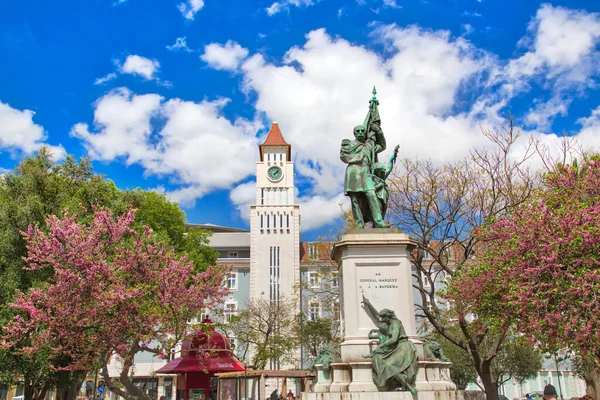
(274,173)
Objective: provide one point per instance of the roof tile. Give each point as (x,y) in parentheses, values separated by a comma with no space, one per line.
(275,137)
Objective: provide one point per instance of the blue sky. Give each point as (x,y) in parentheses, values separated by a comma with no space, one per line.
(176,95)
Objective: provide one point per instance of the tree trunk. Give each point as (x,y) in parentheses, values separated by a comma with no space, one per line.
(32,392)
(69,384)
(489,384)
(28,391)
(591,375)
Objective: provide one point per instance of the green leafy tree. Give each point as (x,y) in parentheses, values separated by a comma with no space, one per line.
(267,330)
(540,270)
(196,246)
(37,188)
(439,206)
(516,359)
(314,335)
(168,222)
(40,187)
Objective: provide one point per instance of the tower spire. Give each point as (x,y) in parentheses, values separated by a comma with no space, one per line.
(275,138)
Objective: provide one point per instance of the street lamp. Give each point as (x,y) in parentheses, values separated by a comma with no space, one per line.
(245,380)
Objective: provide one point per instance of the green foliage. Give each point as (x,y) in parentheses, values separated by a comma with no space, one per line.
(269,329)
(155,211)
(168,222)
(516,359)
(462,371)
(315,335)
(195,245)
(40,187)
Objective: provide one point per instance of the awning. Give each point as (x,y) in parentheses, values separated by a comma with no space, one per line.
(191,363)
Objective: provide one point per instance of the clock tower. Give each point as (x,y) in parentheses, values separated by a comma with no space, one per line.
(274,222)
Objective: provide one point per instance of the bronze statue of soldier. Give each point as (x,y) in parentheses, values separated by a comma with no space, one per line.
(361,182)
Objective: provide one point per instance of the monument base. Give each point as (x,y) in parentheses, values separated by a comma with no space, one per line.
(396,395)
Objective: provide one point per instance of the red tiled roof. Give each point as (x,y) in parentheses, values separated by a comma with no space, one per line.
(275,138)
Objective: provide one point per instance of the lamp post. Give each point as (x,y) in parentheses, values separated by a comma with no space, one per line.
(558,375)
(245,380)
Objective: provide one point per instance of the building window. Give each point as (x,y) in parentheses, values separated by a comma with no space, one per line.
(287,218)
(425,278)
(262,196)
(314,310)
(281,157)
(198,319)
(232,281)
(230,310)
(313,250)
(334,280)
(268,157)
(336,312)
(313,279)
(261,221)
(430,306)
(274,270)
(232,254)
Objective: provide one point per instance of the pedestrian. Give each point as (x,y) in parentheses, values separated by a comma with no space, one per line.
(274,395)
(290,395)
(550,392)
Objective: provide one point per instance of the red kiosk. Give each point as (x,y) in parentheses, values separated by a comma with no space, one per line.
(206,354)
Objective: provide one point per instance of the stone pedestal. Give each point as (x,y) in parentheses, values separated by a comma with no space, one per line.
(374,263)
(323,379)
(341,377)
(362,377)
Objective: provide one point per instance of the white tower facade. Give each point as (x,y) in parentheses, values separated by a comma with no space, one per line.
(274,223)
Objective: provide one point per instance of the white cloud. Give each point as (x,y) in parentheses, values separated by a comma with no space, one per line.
(123,123)
(562,51)
(317,211)
(542,114)
(432,103)
(242,197)
(192,143)
(564,37)
(560,40)
(107,78)
(589,136)
(142,66)
(285,5)
(180,44)
(391,4)
(19,132)
(320,93)
(467,29)
(224,57)
(189,8)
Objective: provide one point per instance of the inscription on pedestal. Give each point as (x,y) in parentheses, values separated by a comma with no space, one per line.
(381,284)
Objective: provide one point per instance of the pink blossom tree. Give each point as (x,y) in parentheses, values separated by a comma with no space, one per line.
(113,293)
(541,271)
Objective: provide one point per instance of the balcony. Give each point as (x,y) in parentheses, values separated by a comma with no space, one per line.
(235,262)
